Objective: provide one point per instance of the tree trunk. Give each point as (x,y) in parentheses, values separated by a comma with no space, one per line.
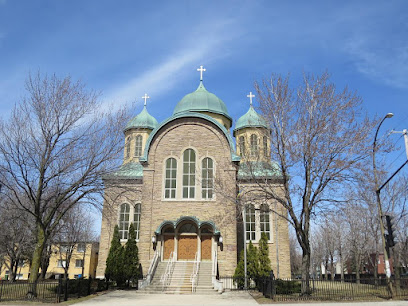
(305,271)
(44,267)
(36,260)
(357,263)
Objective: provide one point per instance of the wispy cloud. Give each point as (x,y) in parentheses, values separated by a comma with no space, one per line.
(171,71)
(388,65)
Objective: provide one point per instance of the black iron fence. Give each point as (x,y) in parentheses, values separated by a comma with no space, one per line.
(297,289)
(22,290)
(50,291)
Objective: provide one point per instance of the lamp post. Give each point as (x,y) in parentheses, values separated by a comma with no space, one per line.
(377,191)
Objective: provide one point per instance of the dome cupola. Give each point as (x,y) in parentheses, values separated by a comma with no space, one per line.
(205,102)
(142,121)
(250,120)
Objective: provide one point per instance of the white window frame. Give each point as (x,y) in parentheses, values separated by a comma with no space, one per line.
(82,263)
(170,179)
(127,147)
(62,263)
(137,213)
(124,224)
(138,146)
(207,180)
(265,213)
(265,146)
(254,145)
(132,216)
(250,223)
(189,174)
(81,247)
(241,144)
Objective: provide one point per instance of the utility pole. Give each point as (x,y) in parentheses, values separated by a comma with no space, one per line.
(380,213)
(405,133)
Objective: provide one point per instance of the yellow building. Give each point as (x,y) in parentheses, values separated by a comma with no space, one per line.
(83,262)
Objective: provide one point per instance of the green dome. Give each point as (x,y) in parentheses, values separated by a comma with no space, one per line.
(142,121)
(201,101)
(251,119)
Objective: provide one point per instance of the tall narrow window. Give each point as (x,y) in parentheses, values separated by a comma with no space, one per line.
(207,183)
(136,220)
(124,221)
(254,145)
(250,222)
(264,220)
(171,179)
(189,174)
(138,146)
(127,147)
(265,146)
(241,146)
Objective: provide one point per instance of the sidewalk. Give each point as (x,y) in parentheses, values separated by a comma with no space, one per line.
(122,297)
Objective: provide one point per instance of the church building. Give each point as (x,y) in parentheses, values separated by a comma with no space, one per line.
(186,187)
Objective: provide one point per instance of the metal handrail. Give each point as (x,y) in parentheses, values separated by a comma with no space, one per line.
(214,267)
(193,277)
(152,269)
(165,278)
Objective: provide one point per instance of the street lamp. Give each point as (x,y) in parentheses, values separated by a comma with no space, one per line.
(377,191)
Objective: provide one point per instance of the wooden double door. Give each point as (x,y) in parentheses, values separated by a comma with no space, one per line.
(187,246)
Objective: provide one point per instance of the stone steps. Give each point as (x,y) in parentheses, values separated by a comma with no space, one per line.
(180,279)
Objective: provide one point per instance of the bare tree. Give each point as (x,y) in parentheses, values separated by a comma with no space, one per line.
(318,139)
(295,256)
(54,149)
(74,233)
(16,238)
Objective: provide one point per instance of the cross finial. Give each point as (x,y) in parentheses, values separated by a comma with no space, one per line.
(250,96)
(145,97)
(201,69)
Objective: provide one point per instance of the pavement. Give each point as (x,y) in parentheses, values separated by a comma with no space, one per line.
(123,297)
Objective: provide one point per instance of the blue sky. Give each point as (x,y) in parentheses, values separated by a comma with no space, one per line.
(128,48)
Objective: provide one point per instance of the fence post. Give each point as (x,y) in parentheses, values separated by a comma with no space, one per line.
(59,290)
(89,285)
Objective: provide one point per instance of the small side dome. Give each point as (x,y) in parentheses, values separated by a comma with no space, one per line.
(250,119)
(142,121)
(201,100)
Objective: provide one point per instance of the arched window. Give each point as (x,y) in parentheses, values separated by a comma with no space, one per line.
(264,221)
(138,146)
(250,222)
(188,228)
(265,146)
(241,146)
(136,219)
(254,145)
(124,221)
(127,147)
(189,159)
(170,179)
(207,183)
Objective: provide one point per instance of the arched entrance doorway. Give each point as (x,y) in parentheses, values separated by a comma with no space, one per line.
(187,241)
(187,237)
(168,241)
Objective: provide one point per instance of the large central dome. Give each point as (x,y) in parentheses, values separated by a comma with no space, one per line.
(203,101)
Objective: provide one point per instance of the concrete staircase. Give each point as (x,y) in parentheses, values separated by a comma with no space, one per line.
(180,279)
